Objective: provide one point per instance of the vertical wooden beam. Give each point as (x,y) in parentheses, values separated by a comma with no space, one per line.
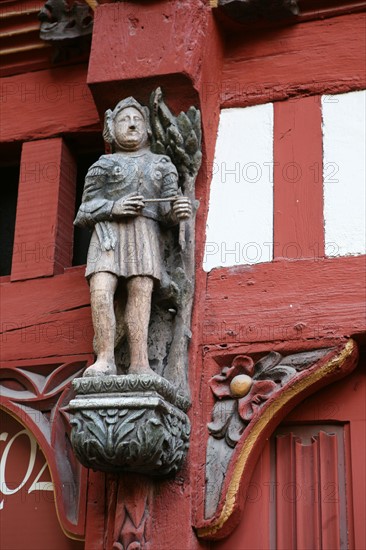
(94,527)
(298,179)
(45,210)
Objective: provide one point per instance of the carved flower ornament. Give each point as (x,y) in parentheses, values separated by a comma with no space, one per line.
(248,405)
(242,390)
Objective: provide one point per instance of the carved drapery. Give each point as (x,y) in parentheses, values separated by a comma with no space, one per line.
(129,410)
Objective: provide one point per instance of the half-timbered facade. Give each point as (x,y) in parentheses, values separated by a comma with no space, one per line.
(280,271)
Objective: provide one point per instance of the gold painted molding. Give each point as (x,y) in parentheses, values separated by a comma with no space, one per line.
(92,3)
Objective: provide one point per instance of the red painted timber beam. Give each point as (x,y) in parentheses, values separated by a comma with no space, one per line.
(286,300)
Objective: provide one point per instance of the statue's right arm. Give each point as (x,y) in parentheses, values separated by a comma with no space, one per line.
(95,207)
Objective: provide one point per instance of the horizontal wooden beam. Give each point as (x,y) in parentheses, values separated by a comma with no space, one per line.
(293,300)
(34,104)
(53,320)
(273,64)
(286,300)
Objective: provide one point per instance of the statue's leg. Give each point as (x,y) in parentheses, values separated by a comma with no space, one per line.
(102,288)
(137,317)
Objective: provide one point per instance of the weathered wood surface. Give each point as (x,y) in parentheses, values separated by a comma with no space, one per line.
(298,179)
(46,317)
(317,57)
(138,35)
(158,45)
(97,507)
(51,317)
(46,104)
(293,300)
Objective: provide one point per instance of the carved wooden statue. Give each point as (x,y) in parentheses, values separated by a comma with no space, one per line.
(128,195)
(139,202)
(131,199)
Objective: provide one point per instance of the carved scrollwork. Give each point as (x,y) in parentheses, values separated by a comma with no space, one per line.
(37,395)
(248,386)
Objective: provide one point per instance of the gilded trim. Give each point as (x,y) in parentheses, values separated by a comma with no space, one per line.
(92,3)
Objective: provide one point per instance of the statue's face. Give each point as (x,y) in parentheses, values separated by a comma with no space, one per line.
(130,129)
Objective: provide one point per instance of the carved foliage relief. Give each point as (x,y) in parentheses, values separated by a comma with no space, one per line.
(252,394)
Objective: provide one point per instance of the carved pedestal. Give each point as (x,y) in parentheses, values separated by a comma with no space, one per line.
(132,423)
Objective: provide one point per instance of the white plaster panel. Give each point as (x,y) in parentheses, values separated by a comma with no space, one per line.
(240,217)
(344,145)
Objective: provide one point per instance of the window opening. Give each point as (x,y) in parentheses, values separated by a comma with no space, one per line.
(8,206)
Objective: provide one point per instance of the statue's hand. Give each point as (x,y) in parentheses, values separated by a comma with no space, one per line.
(130,206)
(182,208)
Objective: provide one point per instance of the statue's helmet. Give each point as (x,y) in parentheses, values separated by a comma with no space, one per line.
(110,116)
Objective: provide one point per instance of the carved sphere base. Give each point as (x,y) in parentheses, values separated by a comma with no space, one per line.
(129,423)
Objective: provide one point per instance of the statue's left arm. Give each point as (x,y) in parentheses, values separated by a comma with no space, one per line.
(180,208)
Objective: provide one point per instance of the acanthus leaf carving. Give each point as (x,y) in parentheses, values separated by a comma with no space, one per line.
(129,423)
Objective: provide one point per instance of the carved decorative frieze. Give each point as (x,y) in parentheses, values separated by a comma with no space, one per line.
(129,423)
(252,395)
(129,385)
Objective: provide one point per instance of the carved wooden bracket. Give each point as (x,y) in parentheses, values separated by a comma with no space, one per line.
(253,395)
(37,395)
(129,423)
(68,27)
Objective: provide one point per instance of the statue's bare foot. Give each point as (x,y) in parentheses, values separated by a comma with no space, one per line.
(101,368)
(141,370)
